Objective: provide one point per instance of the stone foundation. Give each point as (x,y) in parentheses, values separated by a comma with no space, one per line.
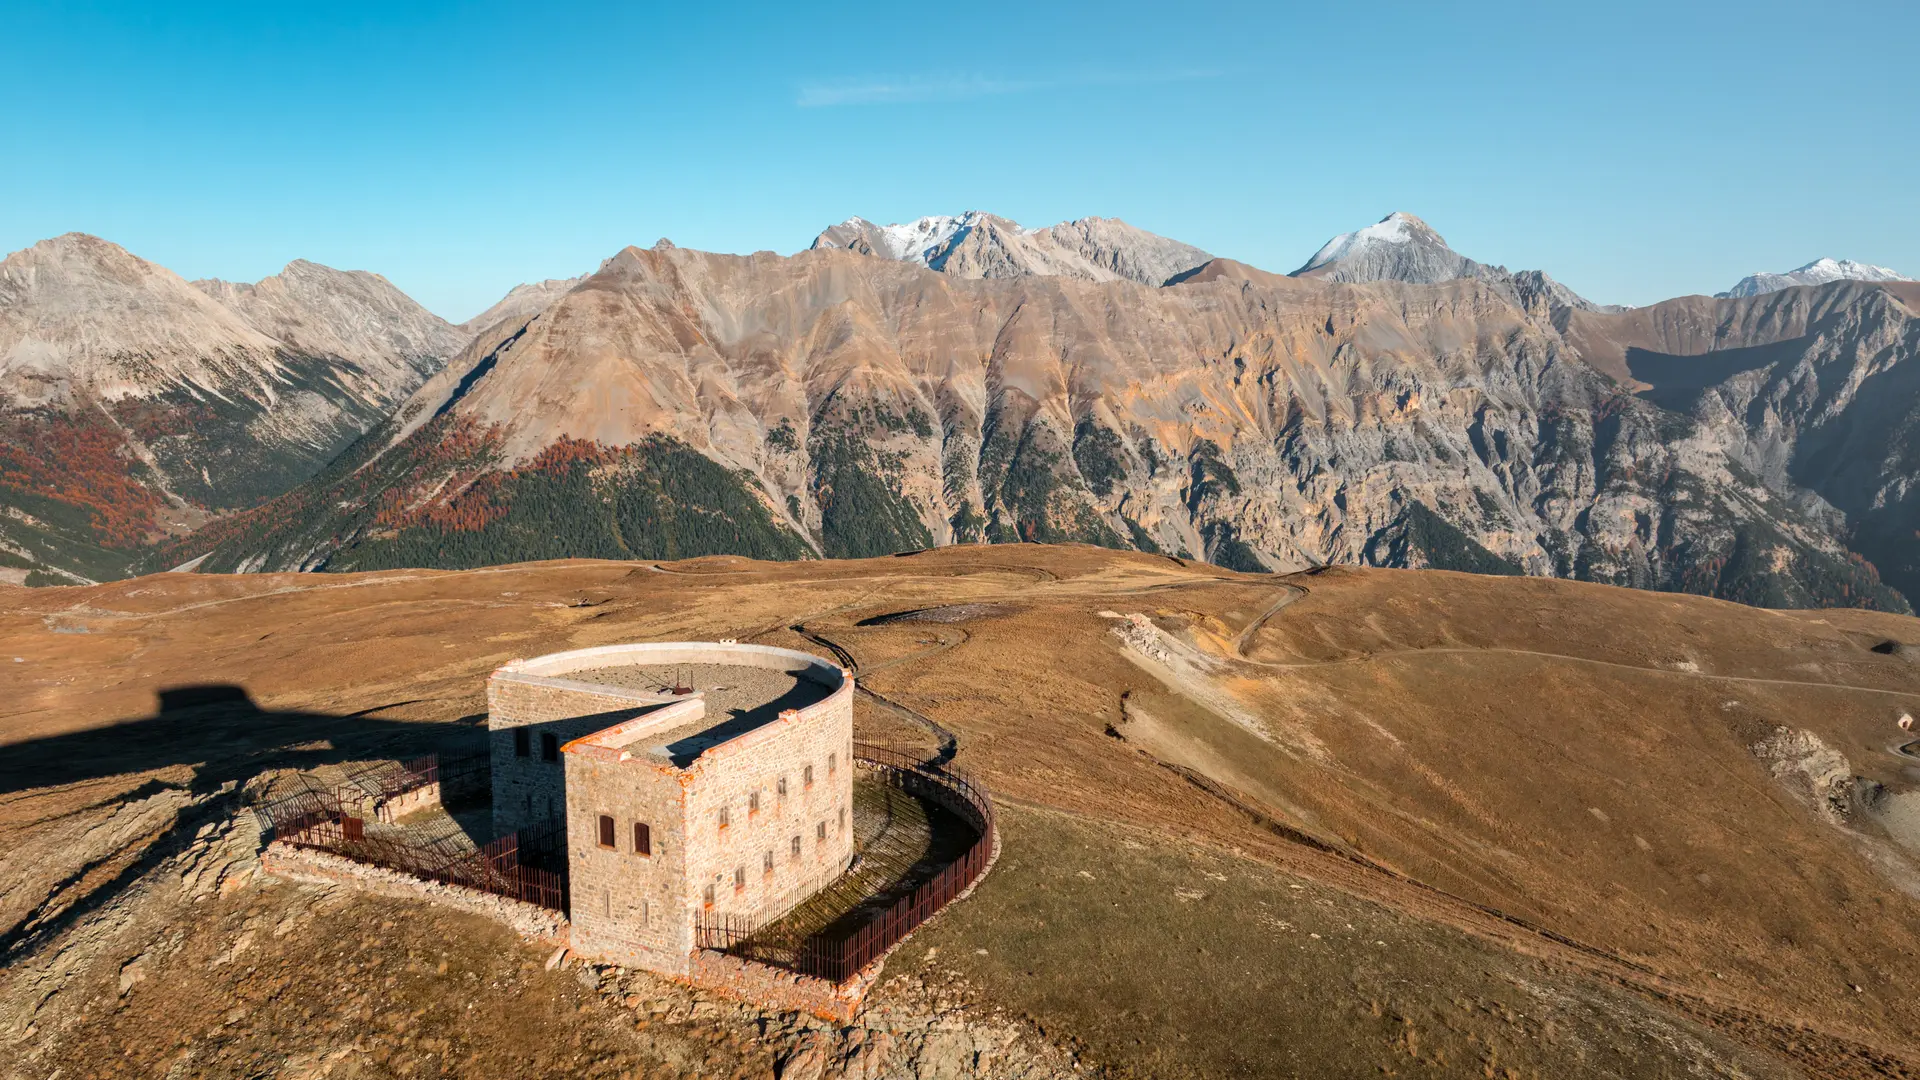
(778,989)
(283,860)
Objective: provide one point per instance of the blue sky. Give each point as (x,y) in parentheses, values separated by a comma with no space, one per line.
(1635,151)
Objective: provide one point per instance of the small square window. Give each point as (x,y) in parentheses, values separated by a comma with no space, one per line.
(766,864)
(642,839)
(606,831)
(739,878)
(796,847)
(820,831)
(549,746)
(522,742)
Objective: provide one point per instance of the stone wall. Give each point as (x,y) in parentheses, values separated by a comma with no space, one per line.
(788,779)
(773,988)
(304,864)
(747,773)
(529,789)
(628,908)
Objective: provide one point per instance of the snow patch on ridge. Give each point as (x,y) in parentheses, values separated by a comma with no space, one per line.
(1817,272)
(916,241)
(1395,228)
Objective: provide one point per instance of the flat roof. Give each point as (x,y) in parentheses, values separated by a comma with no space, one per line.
(738,698)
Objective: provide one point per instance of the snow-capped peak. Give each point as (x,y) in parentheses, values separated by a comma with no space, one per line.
(1817,272)
(917,240)
(1396,228)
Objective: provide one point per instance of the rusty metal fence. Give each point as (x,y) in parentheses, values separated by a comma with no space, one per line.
(837,957)
(528,865)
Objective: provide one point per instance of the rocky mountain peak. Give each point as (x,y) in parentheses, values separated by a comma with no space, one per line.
(977,244)
(1399,247)
(351,315)
(523,301)
(1402,247)
(1817,272)
(78,313)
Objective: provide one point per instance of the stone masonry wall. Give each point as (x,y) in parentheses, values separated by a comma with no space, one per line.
(628,908)
(531,790)
(732,858)
(786,788)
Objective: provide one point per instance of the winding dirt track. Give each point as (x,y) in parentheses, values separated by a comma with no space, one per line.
(949,742)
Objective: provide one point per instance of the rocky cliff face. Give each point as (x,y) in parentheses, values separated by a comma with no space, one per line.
(134,404)
(977,245)
(1816,391)
(849,405)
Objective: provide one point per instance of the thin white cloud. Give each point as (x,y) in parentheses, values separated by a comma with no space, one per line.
(913,89)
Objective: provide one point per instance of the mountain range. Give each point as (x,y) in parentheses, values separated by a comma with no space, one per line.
(965,379)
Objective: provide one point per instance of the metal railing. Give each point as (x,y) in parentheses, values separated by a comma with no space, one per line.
(528,865)
(838,956)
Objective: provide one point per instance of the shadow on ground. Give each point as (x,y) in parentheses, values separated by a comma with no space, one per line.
(225,739)
(220,732)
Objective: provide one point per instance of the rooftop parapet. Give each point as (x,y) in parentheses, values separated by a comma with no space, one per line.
(774,688)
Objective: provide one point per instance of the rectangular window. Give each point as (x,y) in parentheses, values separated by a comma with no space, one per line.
(807,777)
(642,839)
(724,819)
(522,742)
(843,819)
(796,847)
(739,878)
(766,864)
(820,831)
(780,787)
(832,761)
(606,831)
(753,803)
(646,914)
(707,896)
(549,746)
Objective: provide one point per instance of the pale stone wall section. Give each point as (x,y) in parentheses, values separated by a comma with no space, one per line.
(731,776)
(641,909)
(530,790)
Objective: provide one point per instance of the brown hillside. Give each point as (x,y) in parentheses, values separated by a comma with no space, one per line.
(1358,822)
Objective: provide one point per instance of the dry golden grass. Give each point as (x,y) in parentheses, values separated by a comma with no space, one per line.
(1552,773)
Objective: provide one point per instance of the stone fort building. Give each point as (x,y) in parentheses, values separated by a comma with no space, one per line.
(692,779)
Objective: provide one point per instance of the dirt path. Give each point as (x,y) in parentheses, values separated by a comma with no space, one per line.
(949,742)
(1293,592)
